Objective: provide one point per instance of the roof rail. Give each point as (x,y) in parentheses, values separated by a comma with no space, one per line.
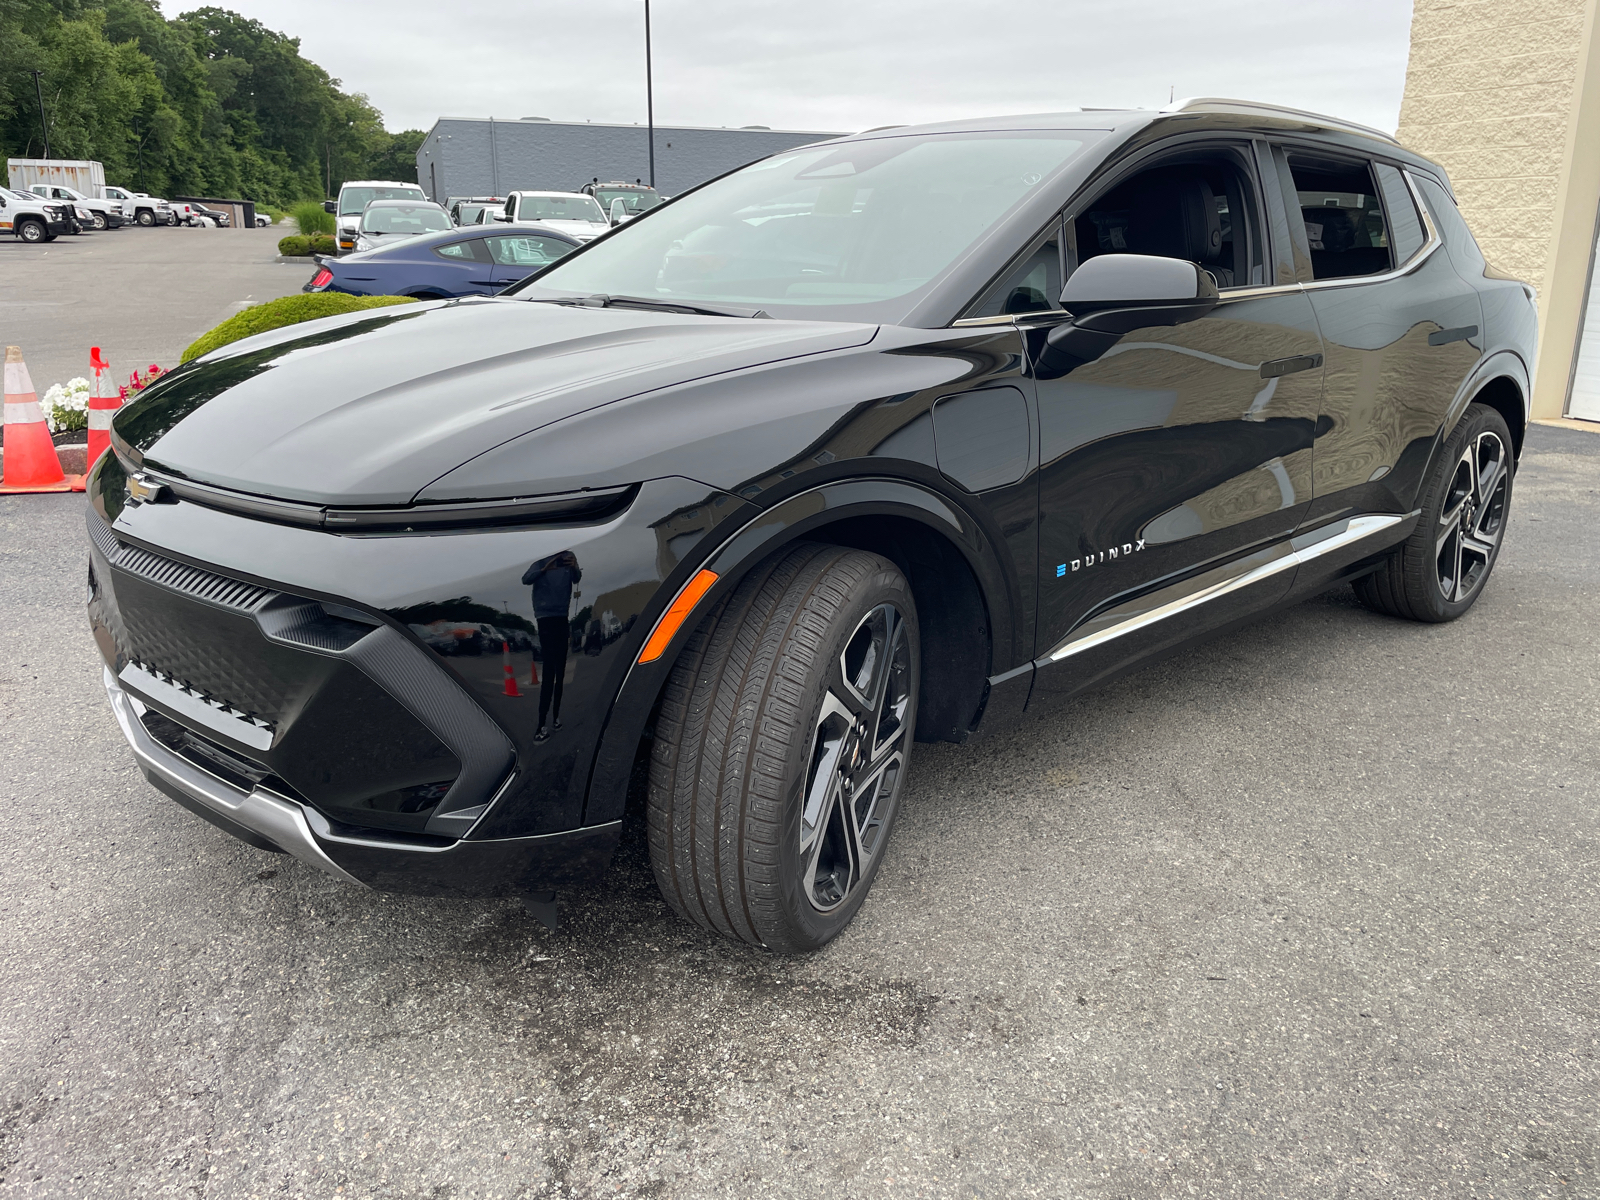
(1221,104)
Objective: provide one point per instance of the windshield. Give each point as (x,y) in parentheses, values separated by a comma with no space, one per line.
(405,219)
(838,226)
(633,203)
(353,200)
(558,208)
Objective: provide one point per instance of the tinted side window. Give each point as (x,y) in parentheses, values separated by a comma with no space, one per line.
(1344,218)
(1406,235)
(1202,210)
(462,252)
(526,250)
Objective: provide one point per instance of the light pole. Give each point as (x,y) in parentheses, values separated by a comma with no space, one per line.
(649,95)
(44,127)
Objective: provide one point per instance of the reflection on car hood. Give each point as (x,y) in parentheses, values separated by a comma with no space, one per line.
(370,408)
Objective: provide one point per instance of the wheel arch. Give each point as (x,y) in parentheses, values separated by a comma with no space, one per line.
(1502,382)
(957,577)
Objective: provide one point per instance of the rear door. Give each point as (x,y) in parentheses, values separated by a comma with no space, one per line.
(1175,466)
(1402,330)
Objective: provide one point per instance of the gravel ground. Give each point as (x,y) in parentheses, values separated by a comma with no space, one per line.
(1310,912)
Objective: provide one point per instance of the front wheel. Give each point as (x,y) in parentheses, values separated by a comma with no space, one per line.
(100,222)
(1439,572)
(782,747)
(145,217)
(31,231)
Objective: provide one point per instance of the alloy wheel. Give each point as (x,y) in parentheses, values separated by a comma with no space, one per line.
(857,760)
(1472,517)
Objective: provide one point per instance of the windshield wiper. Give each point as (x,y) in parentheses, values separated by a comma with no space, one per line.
(705,310)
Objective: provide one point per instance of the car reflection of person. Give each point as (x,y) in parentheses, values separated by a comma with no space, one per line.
(555,580)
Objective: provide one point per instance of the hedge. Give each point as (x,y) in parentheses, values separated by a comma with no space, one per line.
(289,310)
(298,246)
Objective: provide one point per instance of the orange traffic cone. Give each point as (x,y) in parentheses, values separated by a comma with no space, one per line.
(511,675)
(30,463)
(104,401)
(533,674)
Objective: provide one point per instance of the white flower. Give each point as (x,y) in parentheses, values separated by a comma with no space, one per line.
(66,406)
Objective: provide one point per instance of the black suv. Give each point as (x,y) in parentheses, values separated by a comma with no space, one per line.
(865,443)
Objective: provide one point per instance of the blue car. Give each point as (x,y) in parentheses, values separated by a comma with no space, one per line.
(445,265)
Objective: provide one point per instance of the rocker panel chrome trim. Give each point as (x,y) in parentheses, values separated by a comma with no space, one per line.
(1211,585)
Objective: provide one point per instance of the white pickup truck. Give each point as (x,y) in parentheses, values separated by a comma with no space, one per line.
(140,208)
(103,214)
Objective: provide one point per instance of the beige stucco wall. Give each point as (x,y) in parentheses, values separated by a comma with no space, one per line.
(1506,96)
(1489,92)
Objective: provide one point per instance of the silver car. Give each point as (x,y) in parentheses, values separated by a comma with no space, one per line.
(385,221)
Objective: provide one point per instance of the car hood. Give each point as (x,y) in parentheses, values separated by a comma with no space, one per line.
(371,407)
(575,228)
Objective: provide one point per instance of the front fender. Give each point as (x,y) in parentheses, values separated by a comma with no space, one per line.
(791,520)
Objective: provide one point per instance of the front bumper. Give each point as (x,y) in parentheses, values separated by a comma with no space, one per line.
(261,817)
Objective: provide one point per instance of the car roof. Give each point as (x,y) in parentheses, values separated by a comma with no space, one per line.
(377,183)
(580,195)
(404,203)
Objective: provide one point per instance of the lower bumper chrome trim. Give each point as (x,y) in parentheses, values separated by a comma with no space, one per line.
(279,820)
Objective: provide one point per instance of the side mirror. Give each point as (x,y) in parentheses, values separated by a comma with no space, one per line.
(619,211)
(1117,293)
(328,206)
(1114,294)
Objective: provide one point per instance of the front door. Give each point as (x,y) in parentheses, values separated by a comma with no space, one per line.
(1175,466)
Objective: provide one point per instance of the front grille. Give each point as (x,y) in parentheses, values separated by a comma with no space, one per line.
(338,738)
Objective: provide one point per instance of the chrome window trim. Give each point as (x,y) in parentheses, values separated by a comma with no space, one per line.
(1140,613)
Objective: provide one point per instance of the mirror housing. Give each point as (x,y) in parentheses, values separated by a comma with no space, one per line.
(1114,294)
(328,206)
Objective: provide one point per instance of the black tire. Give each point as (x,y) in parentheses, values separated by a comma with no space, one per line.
(145,217)
(1439,572)
(100,222)
(759,714)
(32,231)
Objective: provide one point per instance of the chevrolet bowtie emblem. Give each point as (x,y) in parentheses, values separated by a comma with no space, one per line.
(146,490)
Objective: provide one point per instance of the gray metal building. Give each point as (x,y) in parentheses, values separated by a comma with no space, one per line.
(483,156)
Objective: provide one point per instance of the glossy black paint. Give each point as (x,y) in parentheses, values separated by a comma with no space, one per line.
(1023,495)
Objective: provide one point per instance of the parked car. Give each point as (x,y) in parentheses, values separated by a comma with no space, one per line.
(570,212)
(139,207)
(353,200)
(445,265)
(262,220)
(387,221)
(463,210)
(486,214)
(215,215)
(875,440)
(101,214)
(30,218)
(622,201)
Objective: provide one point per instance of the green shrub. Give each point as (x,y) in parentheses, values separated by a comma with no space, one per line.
(290,310)
(294,246)
(311,218)
(323,243)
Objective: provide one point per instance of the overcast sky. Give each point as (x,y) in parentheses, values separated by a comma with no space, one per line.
(844,65)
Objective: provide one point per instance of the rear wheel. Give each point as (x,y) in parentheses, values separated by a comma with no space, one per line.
(1439,572)
(782,746)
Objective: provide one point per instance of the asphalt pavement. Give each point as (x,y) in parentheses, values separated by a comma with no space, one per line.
(1311,911)
(141,295)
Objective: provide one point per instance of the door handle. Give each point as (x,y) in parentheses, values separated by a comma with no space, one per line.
(1274,368)
(1445,336)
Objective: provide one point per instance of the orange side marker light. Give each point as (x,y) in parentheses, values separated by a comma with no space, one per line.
(676,615)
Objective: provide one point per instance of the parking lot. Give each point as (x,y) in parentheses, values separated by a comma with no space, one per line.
(141,295)
(1311,911)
